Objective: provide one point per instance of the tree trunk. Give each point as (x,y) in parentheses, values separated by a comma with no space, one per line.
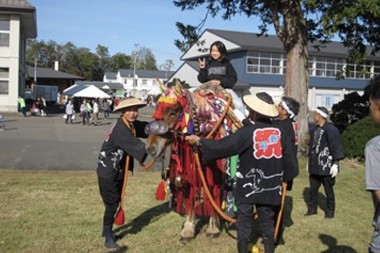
(296,86)
(297,76)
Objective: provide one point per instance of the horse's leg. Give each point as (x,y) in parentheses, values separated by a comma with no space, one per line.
(188,230)
(213,225)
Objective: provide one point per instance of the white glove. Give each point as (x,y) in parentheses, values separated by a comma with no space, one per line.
(334,170)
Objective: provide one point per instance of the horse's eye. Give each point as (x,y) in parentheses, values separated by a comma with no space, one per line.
(172,114)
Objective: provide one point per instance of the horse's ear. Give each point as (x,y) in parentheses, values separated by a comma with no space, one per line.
(163,87)
(178,88)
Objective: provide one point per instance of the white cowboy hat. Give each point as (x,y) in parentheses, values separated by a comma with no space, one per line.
(129,102)
(260,106)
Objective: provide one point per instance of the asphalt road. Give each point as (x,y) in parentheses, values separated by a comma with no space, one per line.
(47,143)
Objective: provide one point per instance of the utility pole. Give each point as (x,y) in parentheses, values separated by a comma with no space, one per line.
(135,52)
(134,76)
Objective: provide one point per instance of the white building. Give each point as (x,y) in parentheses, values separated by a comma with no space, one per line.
(139,83)
(17,24)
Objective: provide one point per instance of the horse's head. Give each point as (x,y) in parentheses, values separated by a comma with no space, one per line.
(168,112)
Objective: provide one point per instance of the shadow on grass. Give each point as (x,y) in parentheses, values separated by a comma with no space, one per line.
(321,198)
(332,245)
(144,219)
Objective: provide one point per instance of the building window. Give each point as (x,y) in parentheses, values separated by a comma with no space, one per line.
(266,63)
(4,81)
(326,66)
(327,100)
(144,82)
(4,31)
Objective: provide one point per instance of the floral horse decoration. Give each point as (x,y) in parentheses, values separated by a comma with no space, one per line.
(196,190)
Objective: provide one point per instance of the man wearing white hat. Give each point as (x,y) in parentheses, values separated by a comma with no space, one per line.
(119,148)
(325,151)
(264,165)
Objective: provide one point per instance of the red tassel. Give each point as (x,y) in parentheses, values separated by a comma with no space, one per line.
(161,191)
(119,219)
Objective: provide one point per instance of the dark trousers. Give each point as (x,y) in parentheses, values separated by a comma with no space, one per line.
(110,190)
(328,184)
(244,224)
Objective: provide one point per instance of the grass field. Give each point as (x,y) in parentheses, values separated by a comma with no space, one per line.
(46,211)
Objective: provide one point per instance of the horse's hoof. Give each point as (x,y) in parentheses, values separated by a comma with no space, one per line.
(212,234)
(187,236)
(184,241)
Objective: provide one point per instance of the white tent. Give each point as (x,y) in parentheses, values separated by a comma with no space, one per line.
(91,92)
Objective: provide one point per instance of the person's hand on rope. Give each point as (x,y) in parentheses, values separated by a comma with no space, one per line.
(334,170)
(192,139)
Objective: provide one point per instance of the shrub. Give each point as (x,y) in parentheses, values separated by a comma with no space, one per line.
(348,111)
(355,137)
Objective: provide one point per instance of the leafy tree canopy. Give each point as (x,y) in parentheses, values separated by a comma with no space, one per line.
(356,23)
(82,62)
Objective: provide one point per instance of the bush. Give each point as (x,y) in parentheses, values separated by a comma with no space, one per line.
(348,111)
(356,136)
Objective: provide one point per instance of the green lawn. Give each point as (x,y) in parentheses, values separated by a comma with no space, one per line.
(49,211)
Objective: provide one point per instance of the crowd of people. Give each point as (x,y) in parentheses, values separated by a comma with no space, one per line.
(89,109)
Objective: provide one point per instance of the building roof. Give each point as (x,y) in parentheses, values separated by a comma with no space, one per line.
(102,85)
(251,41)
(110,75)
(27,13)
(49,73)
(146,73)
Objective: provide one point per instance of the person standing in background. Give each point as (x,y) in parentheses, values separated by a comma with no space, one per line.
(21,105)
(325,152)
(69,110)
(372,163)
(95,107)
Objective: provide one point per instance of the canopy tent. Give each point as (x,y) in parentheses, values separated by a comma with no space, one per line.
(72,89)
(88,91)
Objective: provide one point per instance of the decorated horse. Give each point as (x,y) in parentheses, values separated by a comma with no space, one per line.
(197,190)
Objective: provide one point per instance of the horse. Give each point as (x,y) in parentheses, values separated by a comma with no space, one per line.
(195,191)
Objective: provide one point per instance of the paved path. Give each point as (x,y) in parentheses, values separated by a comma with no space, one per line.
(47,143)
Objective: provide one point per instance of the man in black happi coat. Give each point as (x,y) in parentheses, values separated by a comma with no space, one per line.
(264,165)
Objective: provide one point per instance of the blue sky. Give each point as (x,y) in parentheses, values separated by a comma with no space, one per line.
(121,24)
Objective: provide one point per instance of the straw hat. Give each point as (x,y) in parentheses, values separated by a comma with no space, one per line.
(260,106)
(129,102)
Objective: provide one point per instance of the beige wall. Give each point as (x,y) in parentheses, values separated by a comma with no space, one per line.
(10,58)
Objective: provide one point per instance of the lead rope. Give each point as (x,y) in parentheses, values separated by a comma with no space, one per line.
(199,167)
(126,169)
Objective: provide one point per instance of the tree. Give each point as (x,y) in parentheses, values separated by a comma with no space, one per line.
(298,22)
(82,62)
(166,67)
(120,61)
(104,59)
(143,58)
(44,53)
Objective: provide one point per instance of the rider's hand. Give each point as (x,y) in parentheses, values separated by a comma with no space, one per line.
(202,63)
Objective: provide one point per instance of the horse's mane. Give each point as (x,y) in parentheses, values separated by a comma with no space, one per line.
(202,105)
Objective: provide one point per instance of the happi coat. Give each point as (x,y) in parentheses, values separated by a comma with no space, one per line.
(264,163)
(119,143)
(325,149)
